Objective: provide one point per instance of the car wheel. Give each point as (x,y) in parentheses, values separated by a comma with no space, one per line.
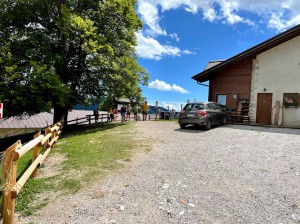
(208,124)
(224,122)
(183,126)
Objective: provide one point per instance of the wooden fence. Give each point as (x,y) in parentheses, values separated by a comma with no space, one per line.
(12,186)
(89,119)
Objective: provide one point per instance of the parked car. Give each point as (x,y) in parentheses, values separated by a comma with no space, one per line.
(203,114)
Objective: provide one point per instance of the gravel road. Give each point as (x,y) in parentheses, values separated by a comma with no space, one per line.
(230,174)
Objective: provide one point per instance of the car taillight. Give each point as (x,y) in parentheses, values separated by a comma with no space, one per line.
(201,112)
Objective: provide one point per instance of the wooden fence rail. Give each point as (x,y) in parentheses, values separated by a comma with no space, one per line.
(90,119)
(11,186)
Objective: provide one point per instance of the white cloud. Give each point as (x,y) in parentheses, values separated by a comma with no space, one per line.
(175,37)
(171,106)
(150,48)
(188,52)
(163,86)
(149,15)
(278,14)
(278,22)
(210,14)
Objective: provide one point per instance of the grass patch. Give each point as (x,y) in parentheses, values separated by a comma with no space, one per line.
(27,202)
(89,153)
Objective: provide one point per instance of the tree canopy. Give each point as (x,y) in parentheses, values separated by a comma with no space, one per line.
(58,53)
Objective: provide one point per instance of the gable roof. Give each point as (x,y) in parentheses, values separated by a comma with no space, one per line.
(40,120)
(212,64)
(122,100)
(251,52)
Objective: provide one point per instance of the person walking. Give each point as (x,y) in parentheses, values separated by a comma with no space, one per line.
(128,112)
(96,114)
(135,112)
(145,109)
(123,112)
(115,114)
(110,115)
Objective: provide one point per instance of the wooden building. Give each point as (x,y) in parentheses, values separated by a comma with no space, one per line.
(262,83)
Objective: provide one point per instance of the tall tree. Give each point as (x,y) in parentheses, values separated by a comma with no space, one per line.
(58,53)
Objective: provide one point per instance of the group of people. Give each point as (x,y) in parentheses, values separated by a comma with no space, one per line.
(112,114)
(126,112)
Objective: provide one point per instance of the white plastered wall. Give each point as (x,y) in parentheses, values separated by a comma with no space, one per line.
(277,71)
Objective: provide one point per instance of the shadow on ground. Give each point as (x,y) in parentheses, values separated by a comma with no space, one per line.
(269,129)
(246,127)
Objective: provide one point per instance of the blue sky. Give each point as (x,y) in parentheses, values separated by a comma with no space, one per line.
(180,37)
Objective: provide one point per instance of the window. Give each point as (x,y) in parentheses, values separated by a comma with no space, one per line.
(192,106)
(209,106)
(218,107)
(290,100)
(215,106)
(221,99)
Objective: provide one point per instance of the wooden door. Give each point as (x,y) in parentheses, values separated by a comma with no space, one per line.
(264,108)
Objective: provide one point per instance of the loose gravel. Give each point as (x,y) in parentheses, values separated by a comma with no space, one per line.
(230,174)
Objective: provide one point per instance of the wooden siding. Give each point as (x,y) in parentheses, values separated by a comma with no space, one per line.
(234,79)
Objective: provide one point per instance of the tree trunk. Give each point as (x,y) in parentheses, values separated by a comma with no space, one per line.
(60,113)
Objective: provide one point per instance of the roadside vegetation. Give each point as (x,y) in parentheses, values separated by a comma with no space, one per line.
(77,161)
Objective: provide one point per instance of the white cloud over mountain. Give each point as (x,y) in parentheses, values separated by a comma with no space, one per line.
(163,86)
(276,14)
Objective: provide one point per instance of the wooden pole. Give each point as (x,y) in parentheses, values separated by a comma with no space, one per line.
(47,131)
(26,148)
(18,187)
(10,175)
(10,186)
(277,110)
(35,154)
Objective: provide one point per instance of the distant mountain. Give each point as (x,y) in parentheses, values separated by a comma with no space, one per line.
(88,107)
(152,109)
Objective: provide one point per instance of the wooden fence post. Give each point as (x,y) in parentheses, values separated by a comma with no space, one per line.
(89,118)
(10,186)
(35,154)
(47,131)
(10,175)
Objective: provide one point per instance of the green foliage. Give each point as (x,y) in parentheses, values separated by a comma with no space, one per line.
(61,53)
(107,104)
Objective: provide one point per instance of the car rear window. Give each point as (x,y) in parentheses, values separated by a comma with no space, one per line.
(193,106)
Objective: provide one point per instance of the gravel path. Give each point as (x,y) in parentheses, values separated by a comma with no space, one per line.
(230,174)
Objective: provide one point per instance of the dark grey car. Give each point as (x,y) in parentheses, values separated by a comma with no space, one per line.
(203,114)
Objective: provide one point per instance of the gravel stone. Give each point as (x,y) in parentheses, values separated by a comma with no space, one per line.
(229,174)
